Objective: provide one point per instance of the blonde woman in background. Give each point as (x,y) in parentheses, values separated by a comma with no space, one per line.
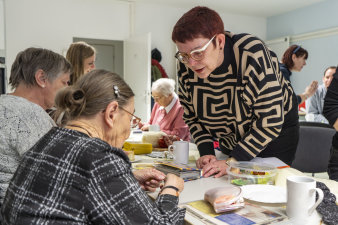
(82,57)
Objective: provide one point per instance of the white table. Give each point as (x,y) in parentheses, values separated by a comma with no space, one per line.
(194,190)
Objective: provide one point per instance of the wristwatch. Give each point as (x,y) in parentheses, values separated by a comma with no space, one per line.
(229,160)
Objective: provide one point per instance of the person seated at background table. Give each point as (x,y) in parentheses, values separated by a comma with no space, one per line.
(294,59)
(82,57)
(80,175)
(167,111)
(330,112)
(315,104)
(36,75)
(231,90)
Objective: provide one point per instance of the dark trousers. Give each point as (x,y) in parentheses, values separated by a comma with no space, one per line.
(284,146)
(332,169)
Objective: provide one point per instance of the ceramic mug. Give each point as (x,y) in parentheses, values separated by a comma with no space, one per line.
(180,152)
(301,198)
(154,127)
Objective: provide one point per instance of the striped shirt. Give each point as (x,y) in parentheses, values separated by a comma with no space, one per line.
(70,178)
(241,104)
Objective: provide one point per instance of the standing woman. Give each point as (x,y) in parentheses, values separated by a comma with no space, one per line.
(294,59)
(232,91)
(82,57)
(36,76)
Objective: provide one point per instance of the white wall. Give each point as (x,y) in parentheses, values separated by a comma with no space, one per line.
(53,24)
(322,50)
(2,27)
(160,20)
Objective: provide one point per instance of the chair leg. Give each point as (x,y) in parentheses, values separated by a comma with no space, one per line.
(313,174)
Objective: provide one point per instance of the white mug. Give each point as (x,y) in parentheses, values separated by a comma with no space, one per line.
(154,127)
(301,198)
(180,151)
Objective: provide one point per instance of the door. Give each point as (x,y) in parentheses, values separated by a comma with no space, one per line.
(109,54)
(137,72)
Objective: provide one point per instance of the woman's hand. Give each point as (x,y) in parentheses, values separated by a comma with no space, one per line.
(204,160)
(145,127)
(216,167)
(311,89)
(149,179)
(140,125)
(172,180)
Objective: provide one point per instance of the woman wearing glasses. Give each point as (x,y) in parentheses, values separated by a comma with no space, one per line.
(232,91)
(294,59)
(167,111)
(79,174)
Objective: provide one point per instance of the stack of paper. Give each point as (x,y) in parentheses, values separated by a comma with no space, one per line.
(183,171)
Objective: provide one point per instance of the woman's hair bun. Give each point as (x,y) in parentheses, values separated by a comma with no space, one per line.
(78,94)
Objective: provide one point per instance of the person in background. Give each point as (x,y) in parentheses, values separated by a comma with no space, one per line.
(294,59)
(157,71)
(232,91)
(167,111)
(315,104)
(80,175)
(330,112)
(36,76)
(82,57)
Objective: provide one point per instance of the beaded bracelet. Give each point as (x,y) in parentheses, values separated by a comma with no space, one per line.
(172,187)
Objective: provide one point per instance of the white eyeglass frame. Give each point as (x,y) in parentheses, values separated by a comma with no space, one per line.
(189,55)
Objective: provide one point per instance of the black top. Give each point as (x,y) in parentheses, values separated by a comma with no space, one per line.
(330,110)
(287,74)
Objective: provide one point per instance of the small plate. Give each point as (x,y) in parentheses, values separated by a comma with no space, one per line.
(137,159)
(264,193)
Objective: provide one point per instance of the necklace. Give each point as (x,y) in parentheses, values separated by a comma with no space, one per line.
(76,126)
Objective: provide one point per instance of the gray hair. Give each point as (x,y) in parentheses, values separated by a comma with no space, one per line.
(164,86)
(90,95)
(29,61)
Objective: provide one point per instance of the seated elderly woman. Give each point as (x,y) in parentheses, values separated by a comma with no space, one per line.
(79,174)
(167,111)
(36,75)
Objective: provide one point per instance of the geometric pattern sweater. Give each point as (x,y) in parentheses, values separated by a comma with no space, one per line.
(241,104)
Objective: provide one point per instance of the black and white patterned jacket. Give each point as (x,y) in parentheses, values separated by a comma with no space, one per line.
(241,104)
(70,178)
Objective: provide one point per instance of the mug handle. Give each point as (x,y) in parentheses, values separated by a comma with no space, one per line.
(320,199)
(171,150)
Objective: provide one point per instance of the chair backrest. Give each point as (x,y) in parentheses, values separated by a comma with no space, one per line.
(313,151)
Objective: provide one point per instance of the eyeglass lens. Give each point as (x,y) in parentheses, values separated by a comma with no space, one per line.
(195,55)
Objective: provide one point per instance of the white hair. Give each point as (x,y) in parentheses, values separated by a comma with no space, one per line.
(164,86)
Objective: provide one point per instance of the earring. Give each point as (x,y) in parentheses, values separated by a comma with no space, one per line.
(43,86)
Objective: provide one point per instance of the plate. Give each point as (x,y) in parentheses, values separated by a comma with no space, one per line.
(137,159)
(264,193)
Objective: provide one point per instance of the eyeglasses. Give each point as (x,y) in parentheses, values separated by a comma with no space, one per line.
(197,54)
(296,49)
(156,98)
(134,121)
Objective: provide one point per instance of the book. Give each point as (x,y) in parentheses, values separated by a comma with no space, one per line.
(183,171)
(249,214)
